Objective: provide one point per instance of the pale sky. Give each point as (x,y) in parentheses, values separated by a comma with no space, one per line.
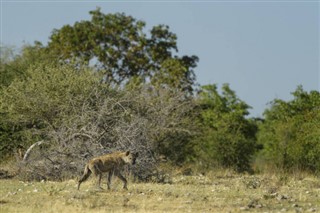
(263,49)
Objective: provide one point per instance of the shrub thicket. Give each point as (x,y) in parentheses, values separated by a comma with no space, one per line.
(227,136)
(78,117)
(291,132)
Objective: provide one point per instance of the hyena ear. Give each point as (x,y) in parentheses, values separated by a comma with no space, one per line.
(127,153)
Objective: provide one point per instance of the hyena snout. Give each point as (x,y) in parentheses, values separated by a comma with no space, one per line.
(135,156)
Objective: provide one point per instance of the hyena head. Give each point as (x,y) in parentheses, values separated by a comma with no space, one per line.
(130,158)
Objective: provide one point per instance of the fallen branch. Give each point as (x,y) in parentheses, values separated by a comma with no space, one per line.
(26,155)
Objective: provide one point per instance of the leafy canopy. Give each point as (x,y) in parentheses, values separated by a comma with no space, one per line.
(117,45)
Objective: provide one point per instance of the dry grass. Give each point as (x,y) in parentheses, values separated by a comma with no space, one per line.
(218,192)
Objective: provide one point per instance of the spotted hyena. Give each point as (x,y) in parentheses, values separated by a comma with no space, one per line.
(111,163)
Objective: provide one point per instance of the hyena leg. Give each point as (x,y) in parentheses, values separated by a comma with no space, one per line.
(99,180)
(109,179)
(85,176)
(119,175)
(98,174)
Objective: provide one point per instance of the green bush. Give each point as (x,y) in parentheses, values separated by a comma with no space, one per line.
(291,132)
(45,99)
(227,136)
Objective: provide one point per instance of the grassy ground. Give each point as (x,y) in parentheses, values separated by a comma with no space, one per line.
(223,192)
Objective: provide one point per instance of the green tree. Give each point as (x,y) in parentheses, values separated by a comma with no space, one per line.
(291,132)
(227,136)
(117,45)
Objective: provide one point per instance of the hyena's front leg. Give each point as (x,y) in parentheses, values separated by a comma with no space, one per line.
(109,179)
(98,174)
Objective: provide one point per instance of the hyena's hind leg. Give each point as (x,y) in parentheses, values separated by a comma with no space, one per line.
(99,176)
(85,176)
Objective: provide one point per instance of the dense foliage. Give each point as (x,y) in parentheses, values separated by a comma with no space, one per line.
(105,85)
(117,45)
(227,136)
(291,132)
(79,117)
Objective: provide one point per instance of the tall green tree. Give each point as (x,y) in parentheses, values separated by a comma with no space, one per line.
(117,45)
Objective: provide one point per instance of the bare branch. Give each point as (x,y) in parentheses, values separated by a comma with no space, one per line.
(26,155)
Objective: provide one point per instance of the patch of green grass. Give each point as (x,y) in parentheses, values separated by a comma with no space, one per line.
(198,193)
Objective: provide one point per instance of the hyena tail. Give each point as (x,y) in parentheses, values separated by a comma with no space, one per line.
(85,175)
